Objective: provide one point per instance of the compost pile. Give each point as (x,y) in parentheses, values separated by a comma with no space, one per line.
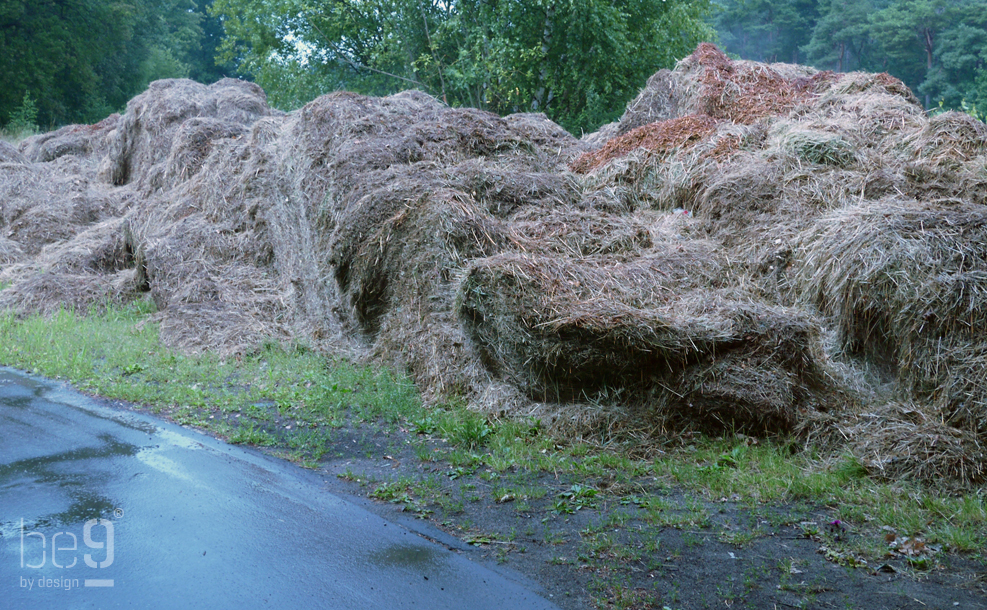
(758,248)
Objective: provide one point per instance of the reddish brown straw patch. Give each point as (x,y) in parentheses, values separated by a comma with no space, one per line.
(744,93)
(662,137)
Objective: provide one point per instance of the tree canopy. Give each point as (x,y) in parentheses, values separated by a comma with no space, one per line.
(578,61)
(79,60)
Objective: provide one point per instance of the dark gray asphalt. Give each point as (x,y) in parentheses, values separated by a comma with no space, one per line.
(196,523)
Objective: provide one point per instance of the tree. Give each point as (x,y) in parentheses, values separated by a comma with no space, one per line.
(908,31)
(980,93)
(960,57)
(578,61)
(937,47)
(202,58)
(766,30)
(841,38)
(82,59)
(52,49)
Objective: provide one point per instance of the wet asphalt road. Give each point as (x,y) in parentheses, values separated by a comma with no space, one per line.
(102,508)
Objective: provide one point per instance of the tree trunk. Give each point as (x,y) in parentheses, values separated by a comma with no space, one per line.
(928,41)
(541,99)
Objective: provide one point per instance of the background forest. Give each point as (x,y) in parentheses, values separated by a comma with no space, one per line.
(579,61)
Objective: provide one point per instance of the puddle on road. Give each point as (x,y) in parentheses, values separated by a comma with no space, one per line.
(13,376)
(409,556)
(178,440)
(57,481)
(151,456)
(16,386)
(15,396)
(43,466)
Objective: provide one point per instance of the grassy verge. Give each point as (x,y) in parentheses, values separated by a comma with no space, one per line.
(293,401)
(286,397)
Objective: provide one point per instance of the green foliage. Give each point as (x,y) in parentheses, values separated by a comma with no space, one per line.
(961,57)
(577,61)
(252,435)
(841,38)
(161,63)
(907,32)
(577,497)
(469,431)
(766,30)
(24,119)
(86,58)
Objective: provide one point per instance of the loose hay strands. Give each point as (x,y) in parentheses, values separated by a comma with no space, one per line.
(654,325)
(659,138)
(744,92)
(951,136)
(906,285)
(898,441)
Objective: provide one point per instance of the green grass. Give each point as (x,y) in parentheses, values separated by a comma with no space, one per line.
(251,435)
(770,473)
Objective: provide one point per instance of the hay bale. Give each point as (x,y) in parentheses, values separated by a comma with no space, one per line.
(876,116)
(99,249)
(501,190)
(658,101)
(905,284)
(47,293)
(48,203)
(541,131)
(395,256)
(901,440)
(192,143)
(79,140)
(863,83)
(659,138)
(674,178)
(217,326)
(10,154)
(144,137)
(818,147)
(10,252)
(580,233)
(657,328)
(950,136)
(744,92)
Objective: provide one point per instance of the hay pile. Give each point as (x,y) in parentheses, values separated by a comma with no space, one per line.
(752,247)
(838,197)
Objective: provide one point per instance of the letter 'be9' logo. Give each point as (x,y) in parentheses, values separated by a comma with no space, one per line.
(34,554)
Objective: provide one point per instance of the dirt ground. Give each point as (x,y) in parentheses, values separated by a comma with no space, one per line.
(609,555)
(636,541)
